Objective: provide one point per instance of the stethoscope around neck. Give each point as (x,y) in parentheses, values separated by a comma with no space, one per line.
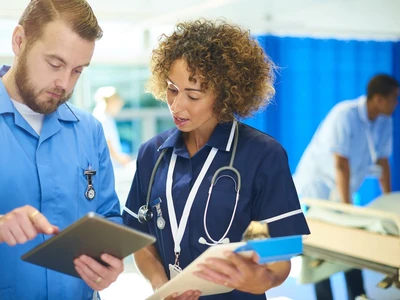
(145,214)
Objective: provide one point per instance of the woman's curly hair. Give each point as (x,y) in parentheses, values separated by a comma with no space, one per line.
(225,58)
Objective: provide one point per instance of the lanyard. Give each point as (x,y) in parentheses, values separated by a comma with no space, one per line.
(364,118)
(178,231)
(372,152)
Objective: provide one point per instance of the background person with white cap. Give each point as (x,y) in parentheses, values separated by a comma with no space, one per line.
(108,105)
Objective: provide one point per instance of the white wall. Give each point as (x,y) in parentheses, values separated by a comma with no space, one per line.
(132,28)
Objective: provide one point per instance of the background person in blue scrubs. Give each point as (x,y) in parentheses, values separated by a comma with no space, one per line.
(211,73)
(353,142)
(46,148)
(108,105)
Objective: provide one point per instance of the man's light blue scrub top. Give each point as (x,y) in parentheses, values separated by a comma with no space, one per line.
(267,192)
(345,132)
(46,172)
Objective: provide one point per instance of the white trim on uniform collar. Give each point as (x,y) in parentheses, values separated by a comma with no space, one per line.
(231,135)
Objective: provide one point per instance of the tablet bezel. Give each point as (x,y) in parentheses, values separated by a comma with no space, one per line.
(92,235)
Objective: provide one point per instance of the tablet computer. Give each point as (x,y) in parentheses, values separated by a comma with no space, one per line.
(92,235)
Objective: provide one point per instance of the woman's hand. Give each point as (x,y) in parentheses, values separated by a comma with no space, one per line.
(188,295)
(243,273)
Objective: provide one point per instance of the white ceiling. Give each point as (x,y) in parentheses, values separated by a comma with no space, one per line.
(134,25)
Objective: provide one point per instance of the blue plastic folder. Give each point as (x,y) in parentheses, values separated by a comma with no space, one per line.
(274,249)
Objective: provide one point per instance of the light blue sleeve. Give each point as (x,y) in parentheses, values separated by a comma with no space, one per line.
(339,132)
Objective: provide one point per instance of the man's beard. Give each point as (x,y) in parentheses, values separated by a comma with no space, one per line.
(28,95)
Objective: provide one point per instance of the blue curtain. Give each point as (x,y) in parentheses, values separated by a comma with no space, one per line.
(312,76)
(396,124)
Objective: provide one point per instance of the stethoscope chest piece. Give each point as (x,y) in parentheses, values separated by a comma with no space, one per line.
(144,214)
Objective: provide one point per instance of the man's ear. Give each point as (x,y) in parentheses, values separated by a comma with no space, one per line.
(18,40)
(380,98)
(377,99)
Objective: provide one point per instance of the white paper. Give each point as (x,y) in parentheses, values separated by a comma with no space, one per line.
(186,280)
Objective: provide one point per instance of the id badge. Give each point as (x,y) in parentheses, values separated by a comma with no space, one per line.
(375,171)
(174,270)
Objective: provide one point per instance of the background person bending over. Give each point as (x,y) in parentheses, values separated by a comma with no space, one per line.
(46,148)
(210,74)
(108,105)
(352,142)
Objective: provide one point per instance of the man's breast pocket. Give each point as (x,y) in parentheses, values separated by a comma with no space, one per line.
(6,293)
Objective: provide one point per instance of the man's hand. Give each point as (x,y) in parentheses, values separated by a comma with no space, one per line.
(384,180)
(96,275)
(342,169)
(23,224)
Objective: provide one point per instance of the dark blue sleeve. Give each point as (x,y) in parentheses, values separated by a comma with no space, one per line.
(136,198)
(275,197)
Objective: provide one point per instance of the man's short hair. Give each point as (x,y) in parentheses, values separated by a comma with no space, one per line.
(381,84)
(77,14)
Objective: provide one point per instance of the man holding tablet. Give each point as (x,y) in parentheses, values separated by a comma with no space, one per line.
(55,165)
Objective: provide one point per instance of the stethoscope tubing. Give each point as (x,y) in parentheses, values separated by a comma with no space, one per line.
(213,183)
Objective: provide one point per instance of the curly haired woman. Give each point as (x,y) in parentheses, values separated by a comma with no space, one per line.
(211,74)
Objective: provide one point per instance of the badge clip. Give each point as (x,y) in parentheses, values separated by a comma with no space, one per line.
(90,192)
